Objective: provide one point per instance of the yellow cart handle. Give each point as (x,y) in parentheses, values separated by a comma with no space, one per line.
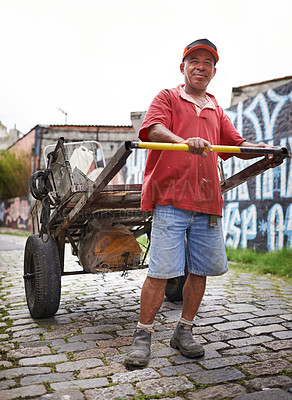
(215,148)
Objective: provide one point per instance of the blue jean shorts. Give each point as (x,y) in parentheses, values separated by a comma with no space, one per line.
(178,235)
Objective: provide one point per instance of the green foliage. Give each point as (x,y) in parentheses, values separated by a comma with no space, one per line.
(48,387)
(15,171)
(287,372)
(277,263)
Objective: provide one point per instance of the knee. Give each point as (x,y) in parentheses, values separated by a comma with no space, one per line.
(196,279)
(155,284)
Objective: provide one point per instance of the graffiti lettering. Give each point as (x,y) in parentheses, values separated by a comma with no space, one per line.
(240,226)
(259,213)
(248,225)
(231,220)
(135,166)
(276,228)
(14,213)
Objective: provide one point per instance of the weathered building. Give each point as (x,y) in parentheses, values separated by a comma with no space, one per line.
(245,92)
(8,138)
(15,212)
(35,141)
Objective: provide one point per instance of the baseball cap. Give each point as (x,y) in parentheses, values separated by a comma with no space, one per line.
(201,44)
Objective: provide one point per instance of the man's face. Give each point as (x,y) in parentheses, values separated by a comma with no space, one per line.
(198,68)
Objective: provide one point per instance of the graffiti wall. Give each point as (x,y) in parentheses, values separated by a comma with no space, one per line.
(258,214)
(15,213)
(135,166)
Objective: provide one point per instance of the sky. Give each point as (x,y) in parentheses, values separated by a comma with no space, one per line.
(100,60)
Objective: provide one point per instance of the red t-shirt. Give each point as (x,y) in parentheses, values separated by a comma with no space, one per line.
(179,178)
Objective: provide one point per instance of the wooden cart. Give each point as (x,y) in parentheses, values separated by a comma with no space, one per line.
(76,188)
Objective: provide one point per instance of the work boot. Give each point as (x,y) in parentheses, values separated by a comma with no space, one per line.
(139,354)
(182,339)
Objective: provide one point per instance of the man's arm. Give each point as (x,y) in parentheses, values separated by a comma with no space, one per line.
(159,133)
(248,156)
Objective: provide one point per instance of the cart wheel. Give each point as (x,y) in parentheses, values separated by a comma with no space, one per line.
(174,287)
(42,277)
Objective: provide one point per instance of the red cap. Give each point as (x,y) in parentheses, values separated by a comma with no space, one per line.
(201,44)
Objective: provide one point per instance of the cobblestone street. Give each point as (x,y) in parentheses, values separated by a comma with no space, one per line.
(244,323)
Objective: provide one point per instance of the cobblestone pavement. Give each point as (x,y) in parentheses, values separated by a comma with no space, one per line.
(244,322)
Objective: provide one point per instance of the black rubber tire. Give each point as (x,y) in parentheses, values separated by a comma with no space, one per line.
(174,288)
(42,277)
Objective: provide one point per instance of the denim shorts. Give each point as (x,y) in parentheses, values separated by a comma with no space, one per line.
(179,234)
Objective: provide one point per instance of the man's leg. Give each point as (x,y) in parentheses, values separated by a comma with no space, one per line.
(152,296)
(182,338)
(193,292)
(167,260)
(206,257)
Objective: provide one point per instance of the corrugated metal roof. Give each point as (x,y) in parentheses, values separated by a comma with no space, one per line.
(88,126)
(71,127)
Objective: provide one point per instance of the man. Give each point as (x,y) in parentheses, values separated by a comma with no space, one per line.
(183,189)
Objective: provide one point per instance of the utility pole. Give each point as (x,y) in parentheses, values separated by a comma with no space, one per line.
(64,112)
